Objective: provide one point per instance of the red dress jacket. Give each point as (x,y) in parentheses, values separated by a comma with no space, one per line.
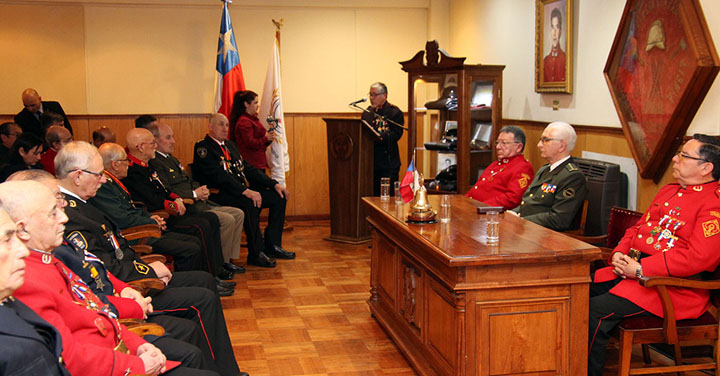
(250,138)
(48,160)
(89,333)
(504,182)
(554,66)
(679,236)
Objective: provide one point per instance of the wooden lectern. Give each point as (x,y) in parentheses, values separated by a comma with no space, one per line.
(350,168)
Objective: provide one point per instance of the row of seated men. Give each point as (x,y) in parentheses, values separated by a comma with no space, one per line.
(677,236)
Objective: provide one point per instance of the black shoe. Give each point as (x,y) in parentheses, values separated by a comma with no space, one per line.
(224,274)
(225,291)
(279,252)
(243,374)
(222,283)
(234,268)
(261,260)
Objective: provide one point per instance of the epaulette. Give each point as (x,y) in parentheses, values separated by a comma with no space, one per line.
(571,167)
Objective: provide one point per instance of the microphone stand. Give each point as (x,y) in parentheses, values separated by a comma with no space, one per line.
(378,116)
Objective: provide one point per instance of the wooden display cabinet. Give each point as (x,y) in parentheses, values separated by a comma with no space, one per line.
(434,79)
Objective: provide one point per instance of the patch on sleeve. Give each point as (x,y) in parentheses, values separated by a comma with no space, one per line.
(523,181)
(141,268)
(569,193)
(710,228)
(78,240)
(202,152)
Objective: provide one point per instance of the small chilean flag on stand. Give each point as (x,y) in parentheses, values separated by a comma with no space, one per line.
(228,71)
(409,183)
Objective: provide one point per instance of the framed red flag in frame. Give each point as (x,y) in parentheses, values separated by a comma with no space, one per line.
(661,65)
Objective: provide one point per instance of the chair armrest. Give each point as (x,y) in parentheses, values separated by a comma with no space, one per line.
(142,231)
(164,214)
(142,328)
(596,240)
(679,282)
(154,257)
(147,284)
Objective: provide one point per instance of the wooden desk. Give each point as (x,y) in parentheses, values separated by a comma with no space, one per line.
(456,306)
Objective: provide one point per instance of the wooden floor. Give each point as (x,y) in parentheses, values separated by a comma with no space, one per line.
(309,316)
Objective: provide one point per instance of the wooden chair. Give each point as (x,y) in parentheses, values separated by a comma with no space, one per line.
(647,330)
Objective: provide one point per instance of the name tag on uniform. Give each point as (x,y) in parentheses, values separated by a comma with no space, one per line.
(548,188)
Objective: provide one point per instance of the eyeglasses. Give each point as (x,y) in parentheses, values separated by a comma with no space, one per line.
(681,155)
(545,140)
(124,160)
(373,95)
(98,175)
(505,143)
(153,142)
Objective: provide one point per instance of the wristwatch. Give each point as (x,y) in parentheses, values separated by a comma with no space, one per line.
(638,272)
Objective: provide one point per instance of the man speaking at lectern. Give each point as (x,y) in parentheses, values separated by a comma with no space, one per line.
(380,114)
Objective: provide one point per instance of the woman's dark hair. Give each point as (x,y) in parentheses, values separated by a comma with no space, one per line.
(239,108)
(26,141)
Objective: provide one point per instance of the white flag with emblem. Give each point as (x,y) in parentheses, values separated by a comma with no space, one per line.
(271,115)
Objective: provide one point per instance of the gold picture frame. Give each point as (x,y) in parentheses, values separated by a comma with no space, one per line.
(553,52)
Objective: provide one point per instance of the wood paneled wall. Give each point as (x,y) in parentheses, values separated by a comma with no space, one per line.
(307,180)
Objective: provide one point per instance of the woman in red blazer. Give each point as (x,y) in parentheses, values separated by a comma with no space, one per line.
(246,130)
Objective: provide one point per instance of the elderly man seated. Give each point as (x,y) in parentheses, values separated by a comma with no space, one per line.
(188,294)
(173,176)
(93,340)
(30,345)
(558,191)
(217,163)
(505,180)
(678,236)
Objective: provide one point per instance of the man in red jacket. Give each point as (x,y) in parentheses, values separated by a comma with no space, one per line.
(678,236)
(505,180)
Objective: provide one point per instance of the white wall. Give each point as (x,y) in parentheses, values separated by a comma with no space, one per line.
(503,32)
(158,56)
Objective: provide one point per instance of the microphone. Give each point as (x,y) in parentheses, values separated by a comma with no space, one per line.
(358,101)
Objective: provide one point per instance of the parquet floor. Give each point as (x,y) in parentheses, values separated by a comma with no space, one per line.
(309,316)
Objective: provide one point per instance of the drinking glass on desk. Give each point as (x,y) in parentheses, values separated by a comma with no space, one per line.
(493,227)
(384,189)
(445,208)
(398,195)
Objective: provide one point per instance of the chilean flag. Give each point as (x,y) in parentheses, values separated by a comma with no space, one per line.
(408,183)
(228,71)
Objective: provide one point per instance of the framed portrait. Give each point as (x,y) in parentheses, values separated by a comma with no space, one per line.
(553,46)
(661,65)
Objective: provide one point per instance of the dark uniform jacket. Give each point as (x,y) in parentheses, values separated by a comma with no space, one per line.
(386,153)
(173,176)
(23,349)
(113,198)
(29,123)
(554,197)
(143,183)
(212,168)
(90,229)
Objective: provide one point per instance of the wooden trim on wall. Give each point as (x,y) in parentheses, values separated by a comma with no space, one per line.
(578,127)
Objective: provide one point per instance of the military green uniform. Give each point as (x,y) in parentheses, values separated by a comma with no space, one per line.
(554,197)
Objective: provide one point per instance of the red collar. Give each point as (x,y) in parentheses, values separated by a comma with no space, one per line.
(134,160)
